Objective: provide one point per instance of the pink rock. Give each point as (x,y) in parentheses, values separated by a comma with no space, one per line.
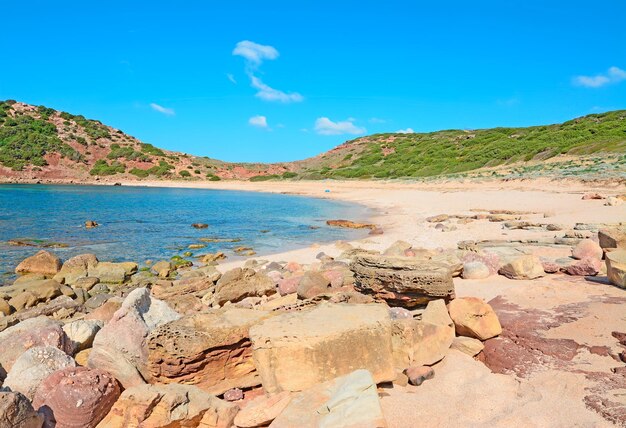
(289,285)
(275,276)
(550,267)
(312,284)
(76,397)
(418,374)
(585,267)
(587,249)
(293,267)
(588,196)
(234,394)
(335,277)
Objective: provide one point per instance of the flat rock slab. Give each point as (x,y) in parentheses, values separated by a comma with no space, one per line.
(402,281)
(294,351)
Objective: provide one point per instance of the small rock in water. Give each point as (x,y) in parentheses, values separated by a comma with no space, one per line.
(199,225)
(89,224)
(418,374)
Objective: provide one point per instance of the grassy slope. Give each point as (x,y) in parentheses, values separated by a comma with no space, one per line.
(455,151)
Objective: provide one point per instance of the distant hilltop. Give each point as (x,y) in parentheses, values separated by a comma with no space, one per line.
(38,143)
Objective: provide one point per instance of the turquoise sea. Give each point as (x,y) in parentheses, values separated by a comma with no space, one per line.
(139,223)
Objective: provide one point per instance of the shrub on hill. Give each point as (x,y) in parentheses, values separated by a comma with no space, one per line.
(101,167)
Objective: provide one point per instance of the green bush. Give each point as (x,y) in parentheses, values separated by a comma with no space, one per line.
(184,173)
(151,150)
(289,174)
(264,177)
(102,168)
(212,177)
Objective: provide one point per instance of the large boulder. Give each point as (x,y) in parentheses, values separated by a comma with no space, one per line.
(75,268)
(17,412)
(402,281)
(113,273)
(524,267)
(44,263)
(585,267)
(33,366)
(119,347)
(616,267)
(211,350)
(76,397)
(169,406)
(587,249)
(611,239)
(294,351)
(39,331)
(312,284)
(346,401)
(82,333)
(423,342)
(474,318)
(237,284)
(27,294)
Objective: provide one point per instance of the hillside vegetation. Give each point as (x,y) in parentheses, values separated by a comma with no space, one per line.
(456,151)
(39,142)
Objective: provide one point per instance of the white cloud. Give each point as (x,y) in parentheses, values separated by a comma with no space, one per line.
(267,93)
(254,52)
(166,111)
(405,131)
(231,78)
(613,75)
(325,126)
(258,121)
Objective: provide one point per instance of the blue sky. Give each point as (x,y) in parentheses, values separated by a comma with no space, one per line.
(285,80)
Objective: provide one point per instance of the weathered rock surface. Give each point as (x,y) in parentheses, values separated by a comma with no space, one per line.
(294,351)
(346,401)
(237,284)
(525,267)
(33,366)
(113,273)
(76,397)
(616,267)
(169,406)
(474,318)
(17,412)
(585,267)
(82,332)
(75,268)
(311,284)
(475,270)
(467,345)
(402,281)
(118,347)
(40,331)
(44,263)
(211,350)
(612,238)
(28,294)
(262,410)
(418,374)
(587,249)
(350,224)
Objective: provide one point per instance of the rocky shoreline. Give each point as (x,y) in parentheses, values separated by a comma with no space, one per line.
(93,343)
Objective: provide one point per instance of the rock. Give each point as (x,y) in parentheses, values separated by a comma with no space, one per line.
(33,366)
(85,283)
(524,267)
(587,249)
(289,285)
(113,273)
(237,284)
(40,331)
(475,270)
(169,406)
(82,333)
(97,300)
(211,350)
(59,308)
(589,196)
(5,308)
(28,278)
(76,397)
(82,357)
(467,345)
(26,295)
(402,281)
(612,201)
(612,238)
(350,224)
(17,412)
(106,311)
(163,265)
(438,218)
(43,262)
(550,267)
(400,313)
(346,401)
(616,267)
(76,268)
(90,224)
(312,284)
(474,318)
(262,410)
(397,249)
(118,346)
(234,394)
(294,351)
(210,258)
(418,374)
(423,342)
(585,267)
(199,225)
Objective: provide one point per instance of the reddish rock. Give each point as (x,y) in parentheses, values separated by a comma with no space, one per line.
(587,249)
(550,267)
(17,412)
(43,262)
(289,285)
(585,267)
(293,267)
(335,277)
(262,410)
(590,196)
(418,374)
(312,284)
(105,312)
(234,394)
(76,397)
